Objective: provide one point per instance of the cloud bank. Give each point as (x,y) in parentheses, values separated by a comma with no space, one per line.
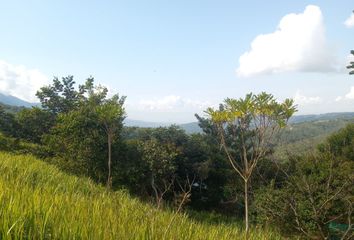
(305,100)
(349,23)
(348,96)
(20,81)
(298,44)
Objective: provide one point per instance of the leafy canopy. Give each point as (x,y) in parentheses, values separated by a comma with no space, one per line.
(254,107)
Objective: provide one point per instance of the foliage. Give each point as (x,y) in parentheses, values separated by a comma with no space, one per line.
(317,191)
(33,123)
(78,142)
(61,96)
(159,159)
(341,143)
(18,146)
(8,124)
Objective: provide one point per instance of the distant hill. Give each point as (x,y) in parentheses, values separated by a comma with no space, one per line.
(14,101)
(321,117)
(190,128)
(138,123)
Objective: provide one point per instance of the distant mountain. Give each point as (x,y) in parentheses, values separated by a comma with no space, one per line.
(193,127)
(14,101)
(321,117)
(190,128)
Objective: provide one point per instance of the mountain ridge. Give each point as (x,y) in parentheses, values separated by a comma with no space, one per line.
(15,101)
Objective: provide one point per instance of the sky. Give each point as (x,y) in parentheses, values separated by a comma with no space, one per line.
(173,59)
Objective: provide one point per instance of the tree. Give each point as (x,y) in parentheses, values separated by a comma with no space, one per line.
(110,115)
(351,64)
(82,119)
(253,121)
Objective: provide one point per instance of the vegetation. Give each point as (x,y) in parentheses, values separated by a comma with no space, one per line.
(316,192)
(178,185)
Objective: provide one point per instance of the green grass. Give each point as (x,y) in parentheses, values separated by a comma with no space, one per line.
(37,201)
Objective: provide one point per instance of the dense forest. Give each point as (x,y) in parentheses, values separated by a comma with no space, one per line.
(249,163)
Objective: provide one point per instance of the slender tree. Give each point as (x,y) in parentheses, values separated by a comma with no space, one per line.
(253,121)
(111,114)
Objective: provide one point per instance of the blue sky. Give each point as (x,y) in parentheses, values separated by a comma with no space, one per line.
(175,58)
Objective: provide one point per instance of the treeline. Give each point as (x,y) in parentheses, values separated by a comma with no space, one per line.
(227,168)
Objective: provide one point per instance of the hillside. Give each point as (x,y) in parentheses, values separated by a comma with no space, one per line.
(14,101)
(40,202)
(305,136)
(11,108)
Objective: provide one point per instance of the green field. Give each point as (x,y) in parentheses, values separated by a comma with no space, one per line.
(37,201)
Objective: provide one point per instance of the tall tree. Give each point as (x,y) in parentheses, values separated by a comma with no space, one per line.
(253,121)
(111,114)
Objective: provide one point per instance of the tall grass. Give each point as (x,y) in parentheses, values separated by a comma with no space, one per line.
(37,201)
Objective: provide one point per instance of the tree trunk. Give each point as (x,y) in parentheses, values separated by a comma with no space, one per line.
(109,179)
(246,208)
(157,195)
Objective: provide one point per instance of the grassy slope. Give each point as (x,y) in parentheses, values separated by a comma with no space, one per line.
(303,137)
(37,201)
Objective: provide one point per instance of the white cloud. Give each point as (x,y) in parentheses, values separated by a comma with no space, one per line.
(304,100)
(298,44)
(350,21)
(173,102)
(20,81)
(348,96)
